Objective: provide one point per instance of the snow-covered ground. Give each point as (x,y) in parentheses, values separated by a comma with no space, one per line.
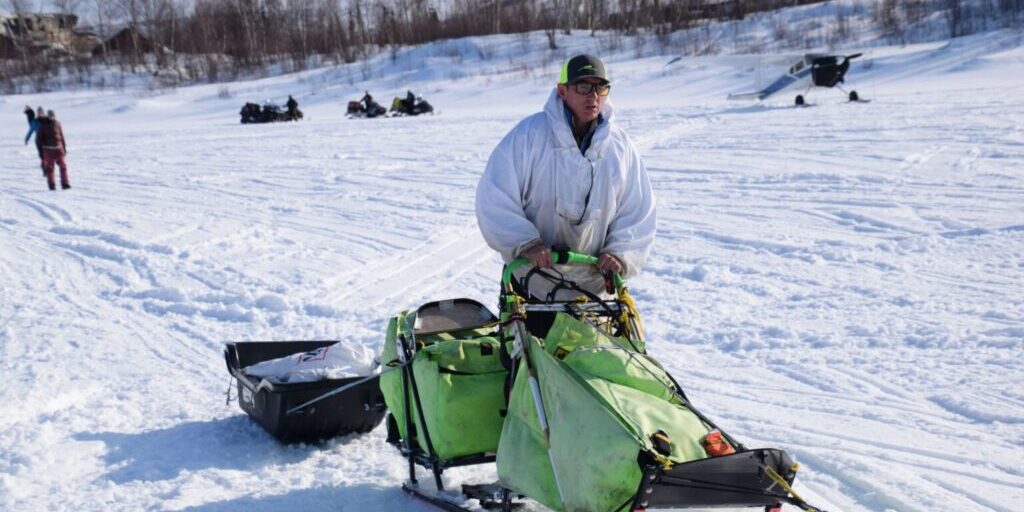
(845,281)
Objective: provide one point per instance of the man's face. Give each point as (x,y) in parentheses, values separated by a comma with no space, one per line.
(585,107)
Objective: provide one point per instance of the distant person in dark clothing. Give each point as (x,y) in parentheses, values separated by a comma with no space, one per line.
(33,123)
(33,127)
(293,113)
(50,139)
(410,101)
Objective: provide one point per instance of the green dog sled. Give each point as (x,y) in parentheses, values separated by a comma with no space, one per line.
(577,418)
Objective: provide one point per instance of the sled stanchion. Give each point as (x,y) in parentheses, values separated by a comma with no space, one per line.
(434,464)
(506,500)
(407,441)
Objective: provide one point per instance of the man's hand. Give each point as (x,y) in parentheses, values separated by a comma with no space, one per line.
(609,263)
(539,256)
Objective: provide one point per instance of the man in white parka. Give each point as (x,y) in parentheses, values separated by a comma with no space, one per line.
(569,177)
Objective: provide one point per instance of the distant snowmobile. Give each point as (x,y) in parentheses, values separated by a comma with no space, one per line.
(410,106)
(821,70)
(365,107)
(270,113)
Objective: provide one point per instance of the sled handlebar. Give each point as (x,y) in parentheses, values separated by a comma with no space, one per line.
(561,258)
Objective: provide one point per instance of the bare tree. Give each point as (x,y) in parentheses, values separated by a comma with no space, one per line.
(915,11)
(67,7)
(955,17)
(567,13)
(549,21)
(1012,12)
(887,17)
(218,39)
(497,16)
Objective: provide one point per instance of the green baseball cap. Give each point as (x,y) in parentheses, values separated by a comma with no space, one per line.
(580,67)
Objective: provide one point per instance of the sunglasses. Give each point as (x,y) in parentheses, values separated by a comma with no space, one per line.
(587,88)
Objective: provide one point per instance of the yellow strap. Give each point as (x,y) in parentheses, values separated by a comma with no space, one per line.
(777,478)
(631,311)
(664,461)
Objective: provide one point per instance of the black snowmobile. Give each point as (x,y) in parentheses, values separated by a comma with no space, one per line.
(365,107)
(576,415)
(270,113)
(250,113)
(411,105)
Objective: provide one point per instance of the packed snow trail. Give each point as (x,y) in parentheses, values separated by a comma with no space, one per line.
(843,281)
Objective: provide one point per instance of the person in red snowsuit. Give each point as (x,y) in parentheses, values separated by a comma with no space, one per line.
(50,139)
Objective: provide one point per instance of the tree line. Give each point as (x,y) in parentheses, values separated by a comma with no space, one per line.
(253,31)
(217,39)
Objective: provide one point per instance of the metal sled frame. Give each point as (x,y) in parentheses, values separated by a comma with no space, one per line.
(407,446)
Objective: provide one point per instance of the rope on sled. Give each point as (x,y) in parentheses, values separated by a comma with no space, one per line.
(796,499)
(346,387)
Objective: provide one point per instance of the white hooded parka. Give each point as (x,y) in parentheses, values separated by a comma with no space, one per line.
(538,185)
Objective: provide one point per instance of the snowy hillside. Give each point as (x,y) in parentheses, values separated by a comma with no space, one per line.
(845,281)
